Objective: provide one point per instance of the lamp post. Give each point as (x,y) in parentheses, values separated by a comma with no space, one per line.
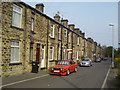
(111,25)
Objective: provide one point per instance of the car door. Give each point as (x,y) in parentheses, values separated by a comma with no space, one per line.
(71,66)
(74,65)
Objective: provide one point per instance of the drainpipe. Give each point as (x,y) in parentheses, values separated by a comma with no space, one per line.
(61,42)
(47,46)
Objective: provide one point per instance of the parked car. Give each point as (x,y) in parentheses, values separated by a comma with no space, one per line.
(97,60)
(86,62)
(64,67)
(105,58)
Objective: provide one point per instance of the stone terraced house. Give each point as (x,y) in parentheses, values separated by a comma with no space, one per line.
(29,35)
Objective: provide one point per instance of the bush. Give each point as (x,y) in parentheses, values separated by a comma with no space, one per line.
(117,63)
(118,80)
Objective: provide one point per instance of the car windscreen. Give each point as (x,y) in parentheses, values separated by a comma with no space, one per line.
(97,58)
(63,63)
(85,60)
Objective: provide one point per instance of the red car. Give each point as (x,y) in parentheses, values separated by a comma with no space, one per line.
(64,67)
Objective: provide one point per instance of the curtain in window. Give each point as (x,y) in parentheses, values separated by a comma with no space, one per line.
(14,51)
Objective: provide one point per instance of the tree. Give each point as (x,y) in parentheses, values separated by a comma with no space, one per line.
(108,51)
(117,53)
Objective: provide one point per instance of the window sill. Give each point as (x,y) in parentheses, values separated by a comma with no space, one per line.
(33,32)
(52,60)
(17,28)
(52,37)
(15,63)
(59,40)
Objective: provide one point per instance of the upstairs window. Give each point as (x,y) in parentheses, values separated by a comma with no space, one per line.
(69,37)
(32,22)
(78,41)
(59,33)
(52,27)
(65,33)
(17,16)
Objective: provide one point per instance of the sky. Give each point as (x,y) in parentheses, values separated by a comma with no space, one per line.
(93,18)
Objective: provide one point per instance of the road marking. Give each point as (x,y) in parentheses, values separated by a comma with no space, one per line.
(24,80)
(103,85)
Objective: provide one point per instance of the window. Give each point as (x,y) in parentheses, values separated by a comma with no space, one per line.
(69,55)
(17,16)
(69,37)
(32,22)
(51,52)
(78,41)
(52,30)
(77,55)
(59,52)
(43,51)
(14,51)
(63,63)
(59,33)
(65,33)
(65,54)
(31,51)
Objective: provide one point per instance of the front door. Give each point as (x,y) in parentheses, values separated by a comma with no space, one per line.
(43,57)
(38,53)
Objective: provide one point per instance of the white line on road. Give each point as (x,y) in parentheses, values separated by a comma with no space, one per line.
(24,80)
(103,85)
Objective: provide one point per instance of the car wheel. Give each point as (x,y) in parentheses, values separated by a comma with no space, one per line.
(75,70)
(68,72)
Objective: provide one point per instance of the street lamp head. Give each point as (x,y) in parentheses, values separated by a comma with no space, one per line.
(111,24)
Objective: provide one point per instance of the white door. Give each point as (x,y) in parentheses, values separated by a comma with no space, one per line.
(43,57)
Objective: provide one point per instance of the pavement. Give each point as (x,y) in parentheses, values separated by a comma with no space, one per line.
(21,77)
(111,80)
(85,77)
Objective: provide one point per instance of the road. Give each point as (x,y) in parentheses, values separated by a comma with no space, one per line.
(85,77)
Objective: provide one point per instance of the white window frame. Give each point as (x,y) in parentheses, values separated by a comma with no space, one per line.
(31,52)
(69,37)
(65,32)
(43,51)
(77,55)
(59,52)
(59,33)
(78,41)
(52,28)
(15,11)
(13,46)
(32,22)
(52,53)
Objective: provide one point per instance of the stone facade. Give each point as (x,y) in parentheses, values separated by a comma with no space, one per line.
(39,38)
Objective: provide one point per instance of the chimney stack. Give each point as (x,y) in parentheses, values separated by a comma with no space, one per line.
(83,35)
(77,30)
(71,26)
(40,7)
(64,22)
(57,17)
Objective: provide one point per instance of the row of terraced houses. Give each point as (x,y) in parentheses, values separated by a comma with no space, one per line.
(30,35)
